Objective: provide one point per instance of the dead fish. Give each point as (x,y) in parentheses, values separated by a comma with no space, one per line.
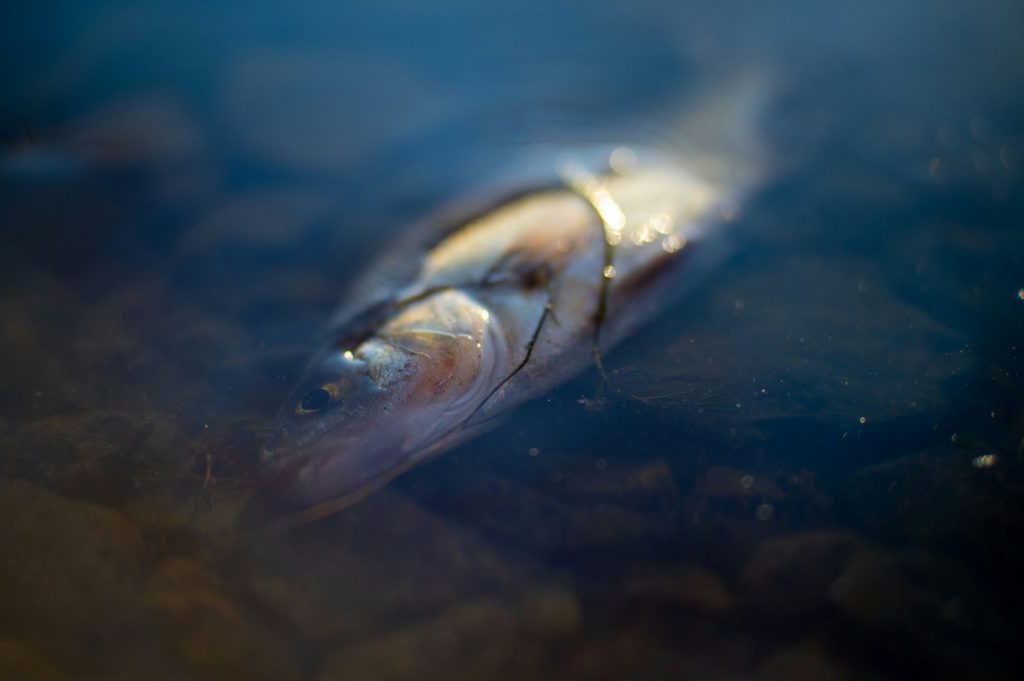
(508,305)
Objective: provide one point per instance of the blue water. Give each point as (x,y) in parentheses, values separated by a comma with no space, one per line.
(823,480)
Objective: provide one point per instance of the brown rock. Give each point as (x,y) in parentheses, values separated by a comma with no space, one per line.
(89,456)
(551,612)
(479,639)
(885,591)
(793,574)
(303,608)
(723,482)
(472,641)
(72,577)
(123,132)
(807,661)
(631,655)
(20,662)
(206,632)
(629,483)
(688,587)
(910,604)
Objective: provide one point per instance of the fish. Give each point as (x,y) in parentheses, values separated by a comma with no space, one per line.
(508,303)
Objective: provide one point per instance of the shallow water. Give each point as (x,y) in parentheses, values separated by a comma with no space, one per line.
(827,480)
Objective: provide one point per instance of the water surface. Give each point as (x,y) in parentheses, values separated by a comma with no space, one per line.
(824,479)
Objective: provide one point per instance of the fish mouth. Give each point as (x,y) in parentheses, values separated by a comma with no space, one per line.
(321,467)
(312,512)
(278,475)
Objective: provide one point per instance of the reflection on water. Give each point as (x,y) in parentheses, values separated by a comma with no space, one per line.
(823,480)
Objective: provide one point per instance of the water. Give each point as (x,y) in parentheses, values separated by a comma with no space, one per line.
(827,485)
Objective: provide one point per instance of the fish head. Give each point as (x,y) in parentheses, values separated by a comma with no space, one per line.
(360,416)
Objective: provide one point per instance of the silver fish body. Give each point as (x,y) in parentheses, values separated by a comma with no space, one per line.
(500,310)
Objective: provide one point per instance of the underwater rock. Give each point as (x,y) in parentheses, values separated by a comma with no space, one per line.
(305,608)
(551,611)
(552,524)
(940,499)
(88,456)
(555,514)
(485,638)
(419,651)
(710,654)
(620,481)
(940,494)
(17,661)
(689,587)
(723,482)
(792,575)
(122,132)
(387,560)
(71,568)
(738,502)
(37,380)
(206,632)
(768,349)
(142,336)
(909,603)
(806,661)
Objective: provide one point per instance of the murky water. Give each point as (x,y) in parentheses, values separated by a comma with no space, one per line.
(828,481)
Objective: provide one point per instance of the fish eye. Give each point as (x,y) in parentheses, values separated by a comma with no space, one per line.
(314,400)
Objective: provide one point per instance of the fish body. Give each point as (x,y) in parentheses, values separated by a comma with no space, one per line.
(500,309)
